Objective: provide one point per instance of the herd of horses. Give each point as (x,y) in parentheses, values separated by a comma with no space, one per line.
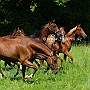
(45,44)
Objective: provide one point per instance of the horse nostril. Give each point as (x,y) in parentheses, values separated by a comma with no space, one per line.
(63,42)
(85,36)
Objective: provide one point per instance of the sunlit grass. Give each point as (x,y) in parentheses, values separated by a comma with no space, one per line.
(71,77)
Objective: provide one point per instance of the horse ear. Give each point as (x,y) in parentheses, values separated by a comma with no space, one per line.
(18,28)
(52,21)
(49,22)
(78,25)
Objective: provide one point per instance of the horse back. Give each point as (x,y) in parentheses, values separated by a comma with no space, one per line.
(13,48)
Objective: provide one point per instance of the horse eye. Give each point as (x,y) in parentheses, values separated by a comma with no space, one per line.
(54,26)
(54,61)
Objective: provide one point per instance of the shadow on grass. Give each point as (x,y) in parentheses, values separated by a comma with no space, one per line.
(28,81)
(15,78)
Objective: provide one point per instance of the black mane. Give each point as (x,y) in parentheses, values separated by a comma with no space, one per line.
(38,32)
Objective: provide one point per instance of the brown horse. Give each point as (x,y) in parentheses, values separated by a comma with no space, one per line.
(50,28)
(22,49)
(69,37)
(53,43)
(16,32)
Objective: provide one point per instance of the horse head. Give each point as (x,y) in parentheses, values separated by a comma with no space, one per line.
(52,62)
(53,28)
(18,32)
(80,31)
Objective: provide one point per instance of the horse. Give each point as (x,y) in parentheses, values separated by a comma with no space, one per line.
(53,43)
(69,37)
(16,32)
(50,28)
(22,49)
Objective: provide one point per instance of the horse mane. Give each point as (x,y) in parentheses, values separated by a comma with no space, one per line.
(71,31)
(38,32)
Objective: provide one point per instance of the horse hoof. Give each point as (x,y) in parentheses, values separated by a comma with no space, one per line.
(31,76)
(27,77)
(60,68)
(45,70)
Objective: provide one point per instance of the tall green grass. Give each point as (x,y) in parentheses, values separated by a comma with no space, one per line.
(71,77)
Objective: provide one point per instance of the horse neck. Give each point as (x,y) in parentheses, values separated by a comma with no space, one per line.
(41,47)
(44,34)
(70,37)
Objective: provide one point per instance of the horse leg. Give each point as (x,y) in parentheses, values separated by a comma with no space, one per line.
(48,67)
(23,72)
(60,60)
(30,65)
(5,64)
(65,56)
(17,69)
(37,63)
(41,62)
(67,53)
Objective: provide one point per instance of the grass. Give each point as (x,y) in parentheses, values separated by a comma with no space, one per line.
(71,77)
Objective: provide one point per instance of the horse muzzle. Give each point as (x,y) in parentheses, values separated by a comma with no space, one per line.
(54,71)
(85,36)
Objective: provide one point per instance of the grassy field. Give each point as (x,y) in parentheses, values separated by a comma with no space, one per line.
(71,77)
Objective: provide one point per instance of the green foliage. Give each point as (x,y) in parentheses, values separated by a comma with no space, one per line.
(61,2)
(31,15)
(32,7)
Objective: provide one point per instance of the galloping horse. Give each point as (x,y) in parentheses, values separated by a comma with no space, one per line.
(53,43)
(50,28)
(16,32)
(69,37)
(22,49)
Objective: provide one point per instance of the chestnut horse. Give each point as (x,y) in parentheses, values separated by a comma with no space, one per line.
(53,43)
(16,32)
(69,37)
(23,49)
(50,28)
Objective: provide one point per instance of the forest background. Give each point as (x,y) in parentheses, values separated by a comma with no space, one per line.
(31,15)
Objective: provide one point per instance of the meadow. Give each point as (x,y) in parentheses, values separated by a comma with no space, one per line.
(70,77)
